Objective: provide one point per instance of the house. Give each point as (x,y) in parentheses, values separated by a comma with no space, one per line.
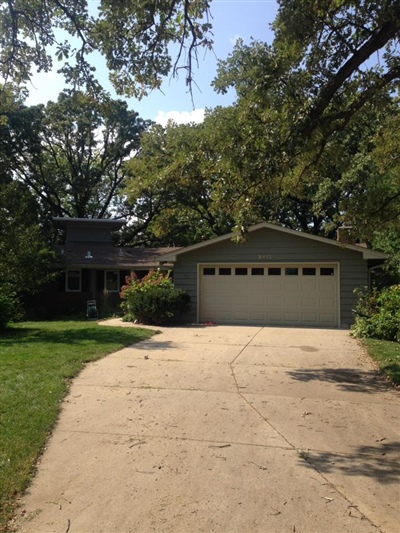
(92,267)
(278,276)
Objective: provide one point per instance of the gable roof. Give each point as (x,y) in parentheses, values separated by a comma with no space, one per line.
(367,253)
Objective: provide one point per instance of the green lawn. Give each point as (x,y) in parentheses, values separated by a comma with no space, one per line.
(37,360)
(387,355)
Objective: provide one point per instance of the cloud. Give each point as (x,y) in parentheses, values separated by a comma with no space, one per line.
(180,117)
(234,39)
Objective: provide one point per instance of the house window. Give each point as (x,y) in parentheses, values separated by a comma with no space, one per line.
(291,271)
(241,271)
(224,271)
(309,271)
(208,271)
(327,271)
(111,280)
(73,281)
(257,271)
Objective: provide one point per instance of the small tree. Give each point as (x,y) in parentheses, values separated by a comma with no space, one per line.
(153,299)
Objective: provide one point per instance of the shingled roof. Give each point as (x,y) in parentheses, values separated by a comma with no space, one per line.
(102,255)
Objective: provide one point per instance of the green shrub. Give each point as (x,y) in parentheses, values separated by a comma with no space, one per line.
(9,306)
(378,314)
(153,299)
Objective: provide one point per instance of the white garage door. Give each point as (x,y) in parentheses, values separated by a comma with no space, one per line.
(305,295)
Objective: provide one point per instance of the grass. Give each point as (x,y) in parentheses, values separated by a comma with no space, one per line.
(387,356)
(37,361)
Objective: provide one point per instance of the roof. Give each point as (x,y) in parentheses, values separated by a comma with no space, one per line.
(100,255)
(367,253)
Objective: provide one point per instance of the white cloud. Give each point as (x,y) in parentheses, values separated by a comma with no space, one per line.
(234,39)
(180,117)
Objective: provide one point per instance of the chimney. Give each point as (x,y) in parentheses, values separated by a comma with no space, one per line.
(345,235)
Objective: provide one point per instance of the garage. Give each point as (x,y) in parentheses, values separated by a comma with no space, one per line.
(275,276)
(276,294)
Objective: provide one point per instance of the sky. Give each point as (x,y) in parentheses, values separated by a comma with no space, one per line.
(231,19)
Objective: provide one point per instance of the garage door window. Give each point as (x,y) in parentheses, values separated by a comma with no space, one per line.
(291,271)
(309,271)
(257,271)
(327,271)
(208,271)
(274,272)
(224,271)
(241,271)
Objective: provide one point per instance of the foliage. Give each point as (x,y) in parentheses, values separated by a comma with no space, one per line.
(38,360)
(71,153)
(153,299)
(378,314)
(309,108)
(9,306)
(173,178)
(201,180)
(133,37)
(26,255)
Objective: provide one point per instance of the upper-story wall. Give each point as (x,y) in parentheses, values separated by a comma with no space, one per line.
(88,229)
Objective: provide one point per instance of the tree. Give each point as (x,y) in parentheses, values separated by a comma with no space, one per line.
(26,251)
(323,63)
(133,37)
(309,104)
(173,178)
(71,153)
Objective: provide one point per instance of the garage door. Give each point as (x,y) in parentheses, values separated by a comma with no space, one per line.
(304,295)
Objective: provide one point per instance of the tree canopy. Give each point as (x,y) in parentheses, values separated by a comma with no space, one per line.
(134,37)
(72,153)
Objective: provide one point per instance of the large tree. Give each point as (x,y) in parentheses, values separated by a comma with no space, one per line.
(173,178)
(133,36)
(328,60)
(321,50)
(72,153)
(311,102)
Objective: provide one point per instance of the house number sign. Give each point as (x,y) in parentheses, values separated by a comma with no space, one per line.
(265,257)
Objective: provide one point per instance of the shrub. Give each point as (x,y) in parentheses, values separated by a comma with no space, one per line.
(153,299)
(9,306)
(378,314)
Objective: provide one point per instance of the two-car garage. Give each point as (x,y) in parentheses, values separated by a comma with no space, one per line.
(290,294)
(273,275)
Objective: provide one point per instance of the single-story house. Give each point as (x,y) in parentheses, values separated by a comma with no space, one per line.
(277,276)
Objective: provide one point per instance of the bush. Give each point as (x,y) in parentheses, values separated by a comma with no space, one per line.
(153,299)
(378,314)
(9,306)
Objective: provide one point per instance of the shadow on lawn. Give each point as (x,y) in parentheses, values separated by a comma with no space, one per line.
(71,336)
(380,462)
(347,379)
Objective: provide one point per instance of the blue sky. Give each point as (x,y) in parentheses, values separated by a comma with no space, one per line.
(231,19)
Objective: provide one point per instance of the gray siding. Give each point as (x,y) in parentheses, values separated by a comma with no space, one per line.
(279,247)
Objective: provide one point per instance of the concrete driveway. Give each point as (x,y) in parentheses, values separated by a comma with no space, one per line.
(224,429)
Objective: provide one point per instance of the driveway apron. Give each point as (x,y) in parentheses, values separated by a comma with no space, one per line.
(223,429)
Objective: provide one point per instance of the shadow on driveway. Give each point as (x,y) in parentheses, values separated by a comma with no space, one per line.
(347,379)
(379,462)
